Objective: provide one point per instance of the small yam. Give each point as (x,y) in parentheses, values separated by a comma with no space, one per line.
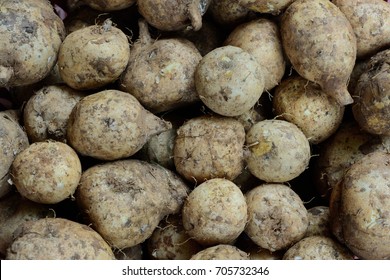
(277,217)
(46,172)
(215,212)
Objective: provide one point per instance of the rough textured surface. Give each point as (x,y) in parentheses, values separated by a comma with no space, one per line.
(31,35)
(93,56)
(58,239)
(317,248)
(46,114)
(269,6)
(277,217)
(103,5)
(321,45)
(372,102)
(304,103)
(209,147)
(172,15)
(339,152)
(160,74)
(170,241)
(229,81)
(13,140)
(46,172)
(15,210)
(221,252)
(111,124)
(278,151)
(229,12)
(125,200)
(261,39)
(363,207)
(370,21)
(215,212)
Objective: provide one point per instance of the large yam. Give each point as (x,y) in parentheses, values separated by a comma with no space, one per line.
(321,45)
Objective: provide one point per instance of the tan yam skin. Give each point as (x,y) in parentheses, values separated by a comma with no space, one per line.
(318,248)
(321,45)
(111,124)
(269,7)
(31,34)
(304,103)
(364,207)
(46,172)
(229,81)
(15,210)
(170,241)
(173,15)
(209,147)
(46,113)
(336,154)
(160,74)
(278,151)
(372,102)
(58,239)
(277,217)
(221,252)
(215,212)
(13,140)
(262,40)
(104,5)
(229,12)
(125,200)
(93,56)
(370,21)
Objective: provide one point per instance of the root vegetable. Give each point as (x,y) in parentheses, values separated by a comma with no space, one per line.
(370,21)
(209,147)
(372,102)
(318,248)
(229,12)
(102,5)
(321,45)
(277,217)
(173,15)
(215,212)
(117,119)
(170,241)
(125,200)
(58,239)
(339,152)
(261,39)
(274,7)
(46,114)
(304,103)
(229,81)
(160,73)
(13,140)
(15,210)
(31,34)
(93,56)
(221,252)
(362,207)
(278,151)
(46,172)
